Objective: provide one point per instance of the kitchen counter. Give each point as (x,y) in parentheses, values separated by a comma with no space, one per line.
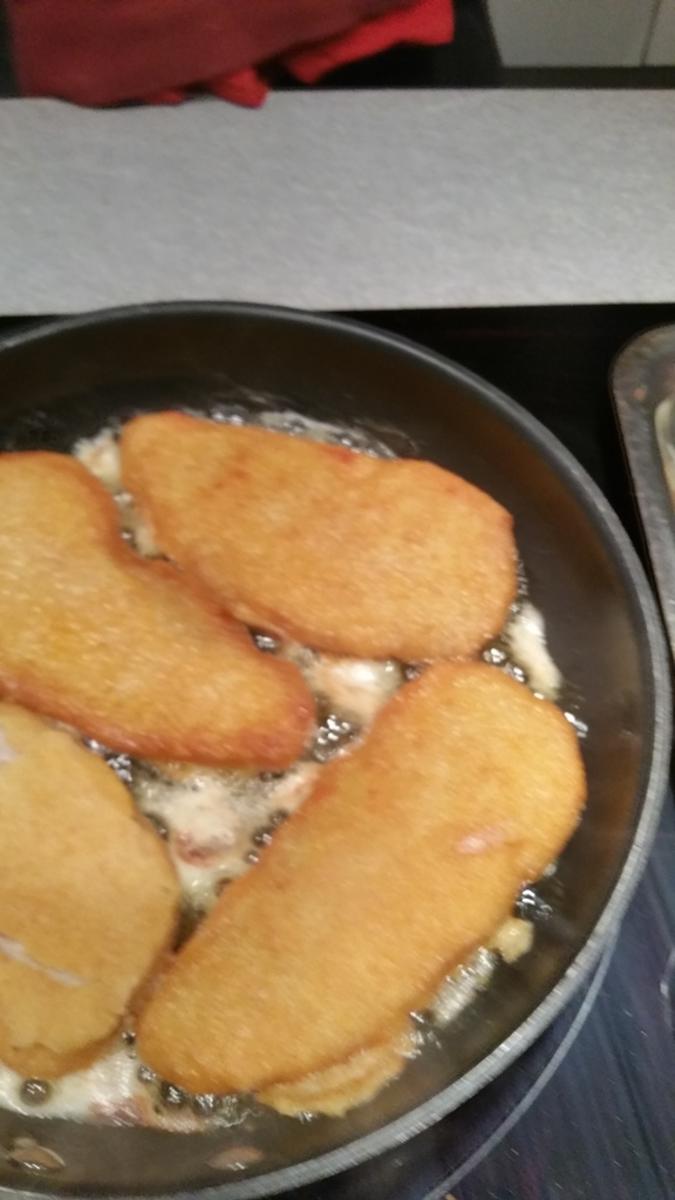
(351,200)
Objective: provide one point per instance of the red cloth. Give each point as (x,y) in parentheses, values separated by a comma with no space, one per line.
(426,22)
(107,51)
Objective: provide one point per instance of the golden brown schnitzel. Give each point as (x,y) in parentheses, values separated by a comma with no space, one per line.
(88,899)
(124,649)
(408,855)
(348,553)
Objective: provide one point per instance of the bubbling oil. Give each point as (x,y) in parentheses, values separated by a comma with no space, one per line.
(216,823)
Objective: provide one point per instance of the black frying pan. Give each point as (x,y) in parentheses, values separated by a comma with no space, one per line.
(66,380)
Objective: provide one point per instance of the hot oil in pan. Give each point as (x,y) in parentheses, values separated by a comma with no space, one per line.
(216,823)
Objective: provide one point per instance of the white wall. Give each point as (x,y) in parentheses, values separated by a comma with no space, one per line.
(567,33)
(661,49)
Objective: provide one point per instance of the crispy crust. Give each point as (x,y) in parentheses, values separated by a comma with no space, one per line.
(88,899)
(337,1089)
(346,553)
(406,857)
(126,650)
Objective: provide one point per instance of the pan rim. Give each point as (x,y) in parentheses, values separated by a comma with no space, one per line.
(652,786)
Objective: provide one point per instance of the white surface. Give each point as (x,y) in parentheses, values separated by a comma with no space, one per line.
(349,200)
(661,50)
(571,33)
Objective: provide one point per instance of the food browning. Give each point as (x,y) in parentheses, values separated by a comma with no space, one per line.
(343,551)
(124,649)
(336,1089)
(407,856)
(88,899)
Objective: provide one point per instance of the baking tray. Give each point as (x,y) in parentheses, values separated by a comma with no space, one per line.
(643,384)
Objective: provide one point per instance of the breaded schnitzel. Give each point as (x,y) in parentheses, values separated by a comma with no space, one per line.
(124,649)
(88,899)
(408,855)
(336,1089)
(356,555)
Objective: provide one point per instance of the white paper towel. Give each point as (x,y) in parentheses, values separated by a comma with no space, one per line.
(341,200)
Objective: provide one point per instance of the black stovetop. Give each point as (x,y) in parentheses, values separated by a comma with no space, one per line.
(589,1112)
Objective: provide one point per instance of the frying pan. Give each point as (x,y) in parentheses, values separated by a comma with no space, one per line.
(67,379)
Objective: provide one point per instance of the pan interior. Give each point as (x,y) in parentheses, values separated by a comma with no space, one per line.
(70,381)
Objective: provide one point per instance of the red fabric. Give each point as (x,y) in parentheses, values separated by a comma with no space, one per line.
(166,96)
(427,22)
(241,87)
(106,51)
